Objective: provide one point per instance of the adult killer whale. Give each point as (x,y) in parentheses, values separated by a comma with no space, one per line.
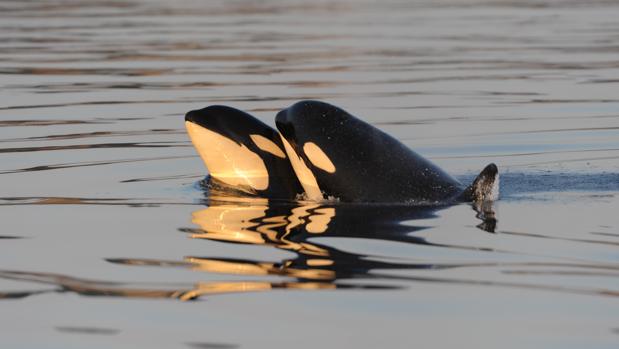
(320,152)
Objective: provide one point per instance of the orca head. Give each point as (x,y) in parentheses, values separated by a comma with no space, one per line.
(335,152)
(311,140)
(242,152)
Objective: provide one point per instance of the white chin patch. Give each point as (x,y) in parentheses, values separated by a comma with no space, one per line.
(304,174)
(228,161)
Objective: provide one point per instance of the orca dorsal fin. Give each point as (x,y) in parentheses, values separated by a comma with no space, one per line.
(485,187)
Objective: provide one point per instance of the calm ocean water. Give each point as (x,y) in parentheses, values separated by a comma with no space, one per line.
(107,239)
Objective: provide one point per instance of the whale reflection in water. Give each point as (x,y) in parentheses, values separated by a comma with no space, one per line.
(294,227)
(317,264)
(88,287)
(285,225)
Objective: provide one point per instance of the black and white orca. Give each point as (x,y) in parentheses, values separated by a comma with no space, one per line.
(242,154)
(322,152)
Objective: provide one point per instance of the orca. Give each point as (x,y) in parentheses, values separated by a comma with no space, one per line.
(243,155)
(338,154)
(322,152)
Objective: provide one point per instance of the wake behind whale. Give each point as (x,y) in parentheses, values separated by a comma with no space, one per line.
(320,151)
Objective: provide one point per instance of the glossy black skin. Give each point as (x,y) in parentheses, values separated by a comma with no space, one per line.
(371,166)
(238,126)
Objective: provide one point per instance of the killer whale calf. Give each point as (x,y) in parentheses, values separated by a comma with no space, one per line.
(320,152)
(243,155)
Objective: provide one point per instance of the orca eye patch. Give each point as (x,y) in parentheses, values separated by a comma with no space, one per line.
(318,157)
(267,145)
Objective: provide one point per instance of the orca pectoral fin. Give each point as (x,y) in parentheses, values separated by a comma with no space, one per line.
(485,187)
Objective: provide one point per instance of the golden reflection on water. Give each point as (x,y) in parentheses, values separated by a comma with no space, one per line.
(316,265)
(87,287)
(230,287)
(250,221)
(263,268)
(252,225)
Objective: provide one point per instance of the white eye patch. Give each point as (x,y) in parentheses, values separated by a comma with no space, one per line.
(318,157)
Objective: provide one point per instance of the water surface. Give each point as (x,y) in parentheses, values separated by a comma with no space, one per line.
(108,239)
